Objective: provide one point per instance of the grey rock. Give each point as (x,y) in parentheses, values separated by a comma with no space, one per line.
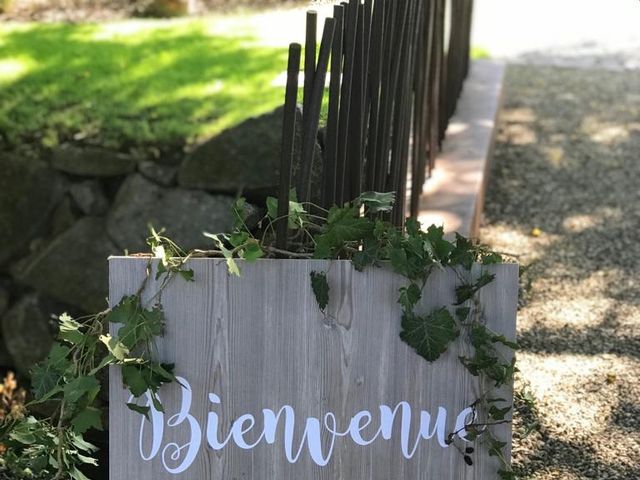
(29,332)
(5,356)
(4,299)
(63,217)
(246,158)
(29,192)
(185,214)
(164,175)
(89,197)
(73,267)
(91,162)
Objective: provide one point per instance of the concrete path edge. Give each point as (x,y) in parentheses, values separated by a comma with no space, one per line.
(454,195)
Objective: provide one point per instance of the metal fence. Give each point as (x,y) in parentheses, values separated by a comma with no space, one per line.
(396,71)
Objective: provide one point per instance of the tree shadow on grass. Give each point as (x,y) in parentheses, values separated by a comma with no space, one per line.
(158,84)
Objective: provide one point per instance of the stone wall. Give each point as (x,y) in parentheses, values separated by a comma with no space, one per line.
(62,216)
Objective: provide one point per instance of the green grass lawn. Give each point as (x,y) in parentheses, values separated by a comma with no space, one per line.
(133,82)
(140,82)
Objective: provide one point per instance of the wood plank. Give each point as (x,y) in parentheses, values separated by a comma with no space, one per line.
(259,341)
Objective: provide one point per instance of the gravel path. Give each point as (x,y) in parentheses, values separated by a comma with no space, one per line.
(565,196)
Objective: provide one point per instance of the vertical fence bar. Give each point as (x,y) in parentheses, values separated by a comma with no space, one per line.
(442,107)
(394,118)
(395,83)
(351,20)
(467,42)
(402,122)
(354,148)
(310,136)
(288,135)
(421,124)
(386,96)
(366,95)
(331,143)
(310,47)
(435,81)
(374,74)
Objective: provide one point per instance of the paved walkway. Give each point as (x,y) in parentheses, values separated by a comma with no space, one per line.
(564,195)
(583,33)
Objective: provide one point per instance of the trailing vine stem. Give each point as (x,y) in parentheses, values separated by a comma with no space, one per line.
(65,383)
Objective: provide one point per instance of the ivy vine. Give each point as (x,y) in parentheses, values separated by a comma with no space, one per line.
(66,384)
(359,231)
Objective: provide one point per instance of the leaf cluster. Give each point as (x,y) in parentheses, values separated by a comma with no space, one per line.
(30,447)
(67,382)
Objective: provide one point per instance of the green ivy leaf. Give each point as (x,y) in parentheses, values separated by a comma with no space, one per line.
(251,251)
(70,330)
(370,254)
(79,387)
(142,327)
(134,379)
(125,310)
(140,378)
(320,288)
(467,291)
(47,375)
(344,225)
(399,261)
(232,266)
(76,474)
(507,475)
(441,247)
(239,211)
(237,239)
(362,259)
(498,413)
(297,213)
(431,335)
(463,253)
(186,274)
(87,460)
(377,202)
(495,448)
(115,348)
(504,341)
(23,432)
(412,227)
(141,409)
(491,258)
(462,313)
(88,418)
(409,297)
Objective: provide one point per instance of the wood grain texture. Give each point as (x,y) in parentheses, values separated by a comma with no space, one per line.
(259,341)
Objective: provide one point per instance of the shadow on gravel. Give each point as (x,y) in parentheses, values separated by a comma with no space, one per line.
(566,162)
(588,341)
(568,456)
(562,455)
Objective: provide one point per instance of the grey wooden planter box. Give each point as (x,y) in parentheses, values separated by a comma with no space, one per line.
(259,342)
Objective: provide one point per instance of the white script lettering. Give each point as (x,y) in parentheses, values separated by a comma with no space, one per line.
(178,458)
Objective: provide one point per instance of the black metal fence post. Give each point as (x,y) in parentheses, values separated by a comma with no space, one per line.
(394,84)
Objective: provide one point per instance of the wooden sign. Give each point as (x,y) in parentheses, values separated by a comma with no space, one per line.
(272,389)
